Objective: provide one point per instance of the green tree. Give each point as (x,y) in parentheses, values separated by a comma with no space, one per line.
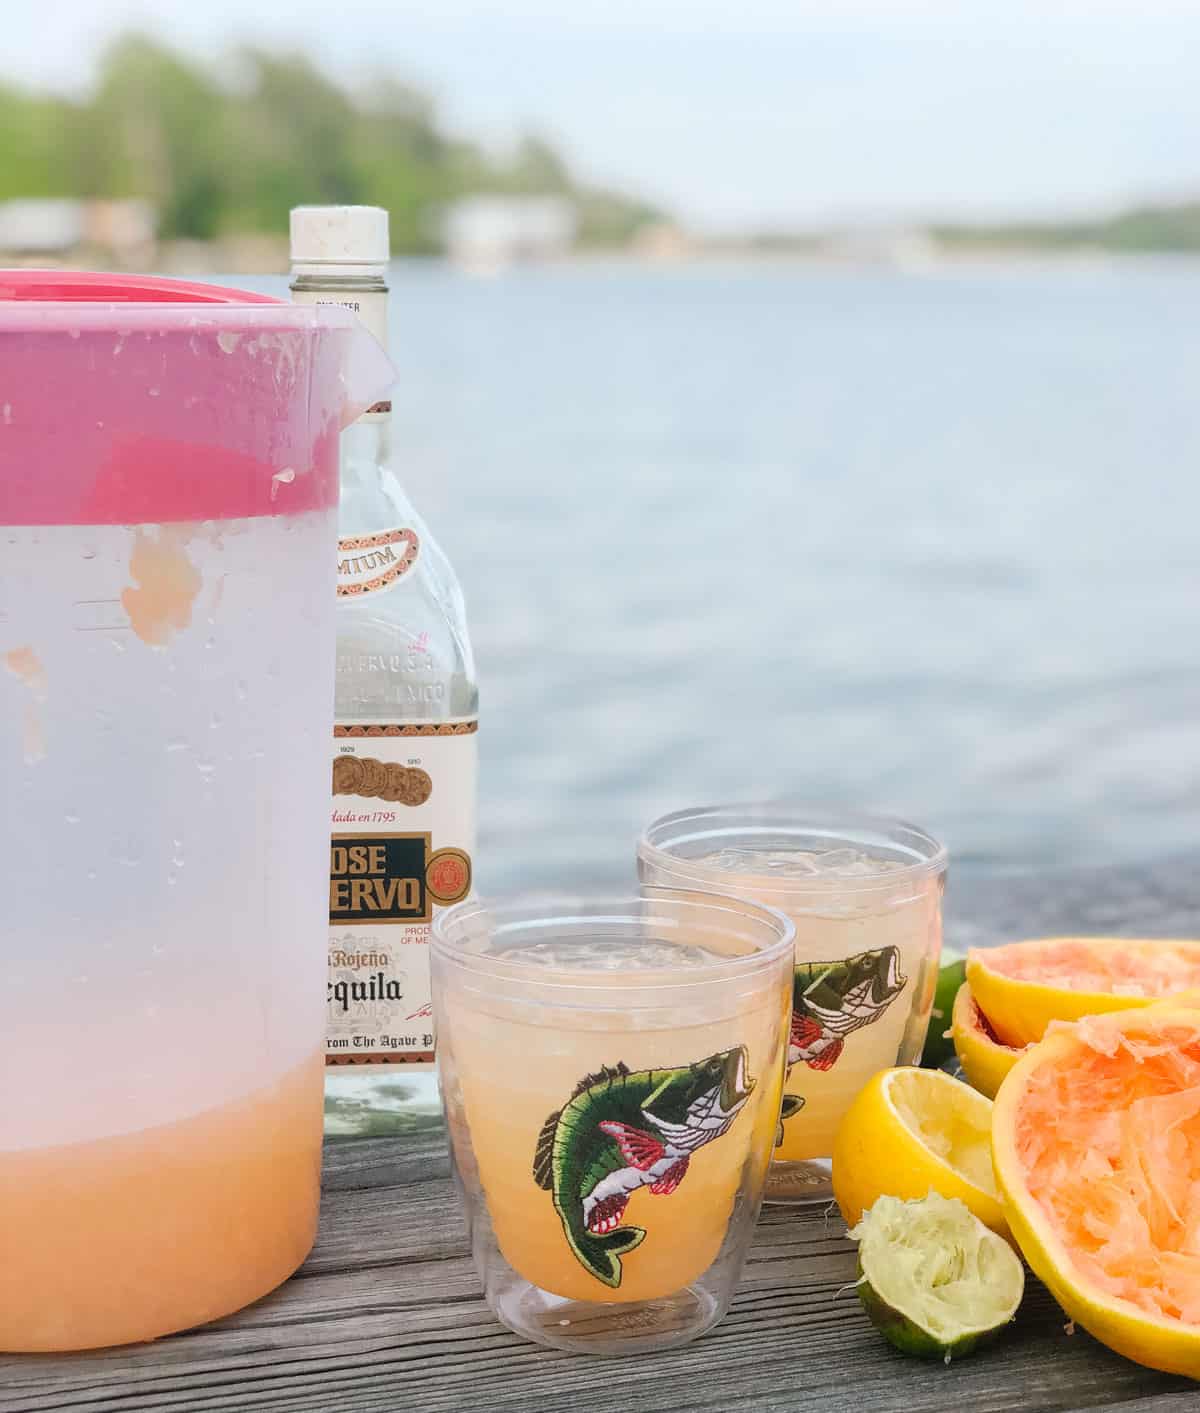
(235,153)
(537,168)
(405,162)
(293,142)
(157,127)
(36,145)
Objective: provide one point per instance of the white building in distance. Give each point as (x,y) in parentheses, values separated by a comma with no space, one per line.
(489,232)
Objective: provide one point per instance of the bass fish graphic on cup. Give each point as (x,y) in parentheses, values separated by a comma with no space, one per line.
(622,1130)
(831,1000)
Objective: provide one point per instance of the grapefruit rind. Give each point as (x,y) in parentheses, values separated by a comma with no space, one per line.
(1022,986)
(933,1279)
(910,1131)
(985,1060)
(1155,1340)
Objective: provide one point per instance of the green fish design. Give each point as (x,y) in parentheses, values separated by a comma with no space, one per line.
(831,1000)
(792,1104)
(622,1130)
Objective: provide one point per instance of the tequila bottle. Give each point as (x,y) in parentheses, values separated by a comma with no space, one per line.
(404,749)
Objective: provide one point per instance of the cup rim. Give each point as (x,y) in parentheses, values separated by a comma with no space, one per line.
(786,813)
(621,910)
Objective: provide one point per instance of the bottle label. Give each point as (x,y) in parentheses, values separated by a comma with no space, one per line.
(403,835)
(372,564)
(372,309)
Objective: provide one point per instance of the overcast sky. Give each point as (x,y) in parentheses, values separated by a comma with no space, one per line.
(753,112)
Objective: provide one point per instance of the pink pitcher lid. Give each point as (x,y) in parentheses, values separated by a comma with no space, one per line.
(136,400)
(70,286)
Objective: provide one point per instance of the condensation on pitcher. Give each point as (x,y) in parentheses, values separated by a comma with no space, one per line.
(165,586)
(285,349)
(281,478)
(218,593)
(25,665)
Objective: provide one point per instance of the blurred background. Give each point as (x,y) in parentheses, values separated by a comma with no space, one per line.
(807,392)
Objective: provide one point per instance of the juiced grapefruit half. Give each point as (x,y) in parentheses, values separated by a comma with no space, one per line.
(1096,1147)
(1023,986)
(984,1057)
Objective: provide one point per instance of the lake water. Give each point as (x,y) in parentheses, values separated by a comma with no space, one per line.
(920,543)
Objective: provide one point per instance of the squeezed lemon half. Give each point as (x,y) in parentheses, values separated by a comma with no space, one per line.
(912,1131)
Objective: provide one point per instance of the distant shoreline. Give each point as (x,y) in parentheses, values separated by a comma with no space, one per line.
(955,258)
(266,258)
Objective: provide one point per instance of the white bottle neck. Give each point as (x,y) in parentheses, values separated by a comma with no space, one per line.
(336,270)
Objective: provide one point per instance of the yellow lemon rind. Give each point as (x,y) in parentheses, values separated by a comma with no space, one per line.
(876,1154)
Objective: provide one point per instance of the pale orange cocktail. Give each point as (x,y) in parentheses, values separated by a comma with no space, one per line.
(865,897)
(685,1224)
(612,1092)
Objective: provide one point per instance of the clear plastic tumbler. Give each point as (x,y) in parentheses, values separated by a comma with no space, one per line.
(865,895)
(611,1075)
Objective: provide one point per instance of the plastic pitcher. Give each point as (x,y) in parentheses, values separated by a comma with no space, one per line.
(168,489)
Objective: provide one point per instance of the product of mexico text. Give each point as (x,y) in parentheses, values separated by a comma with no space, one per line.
(611,1074)
(865,895)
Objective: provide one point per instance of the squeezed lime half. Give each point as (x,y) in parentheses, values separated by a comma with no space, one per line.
(933,1279)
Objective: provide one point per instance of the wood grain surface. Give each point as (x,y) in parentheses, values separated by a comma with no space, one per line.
(386,1315)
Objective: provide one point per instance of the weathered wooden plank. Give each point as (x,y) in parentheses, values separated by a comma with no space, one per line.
(1180,1402)
(386,1316)
(382,1162)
